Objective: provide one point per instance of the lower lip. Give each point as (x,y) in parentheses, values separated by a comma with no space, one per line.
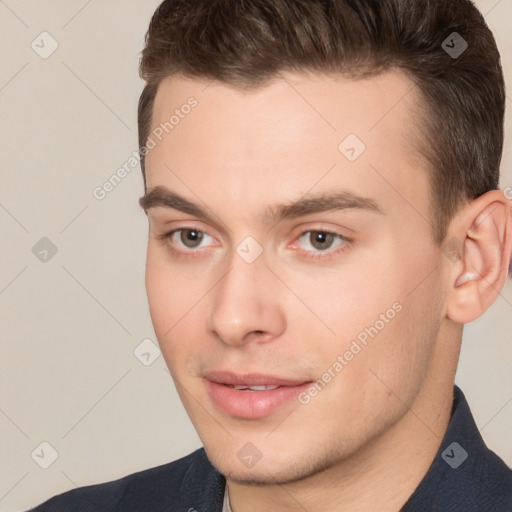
(252,404)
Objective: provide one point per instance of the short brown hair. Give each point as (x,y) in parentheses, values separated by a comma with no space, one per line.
(246,43)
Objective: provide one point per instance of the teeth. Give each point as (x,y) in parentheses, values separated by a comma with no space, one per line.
(255,388)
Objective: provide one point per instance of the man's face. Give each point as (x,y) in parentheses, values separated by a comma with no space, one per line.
(339,308)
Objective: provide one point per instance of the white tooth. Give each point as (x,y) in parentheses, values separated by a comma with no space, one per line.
(262,388)
(253,388)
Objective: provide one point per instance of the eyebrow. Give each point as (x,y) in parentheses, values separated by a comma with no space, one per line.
(326,202)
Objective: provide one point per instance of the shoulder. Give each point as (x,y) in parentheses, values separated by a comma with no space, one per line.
(472,468)
(174,483)
(474,478)
(465,474)
(488,480)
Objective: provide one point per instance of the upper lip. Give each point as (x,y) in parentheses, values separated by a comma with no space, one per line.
(250,379)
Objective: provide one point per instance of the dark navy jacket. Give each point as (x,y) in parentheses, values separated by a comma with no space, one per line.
(465,476)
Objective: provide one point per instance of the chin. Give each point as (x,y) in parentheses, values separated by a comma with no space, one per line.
(272,471)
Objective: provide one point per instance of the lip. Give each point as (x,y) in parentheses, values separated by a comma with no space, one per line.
(250,379)
(251,404)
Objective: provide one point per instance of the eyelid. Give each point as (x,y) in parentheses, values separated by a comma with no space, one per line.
(325,255)
(177,225)
(327,232)
(322,228)
(167,236)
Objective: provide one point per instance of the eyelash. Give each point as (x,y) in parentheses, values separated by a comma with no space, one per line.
(326,254)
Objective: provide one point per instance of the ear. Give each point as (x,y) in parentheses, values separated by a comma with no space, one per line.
(481,238)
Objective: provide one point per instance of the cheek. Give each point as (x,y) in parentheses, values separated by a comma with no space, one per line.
(344,302)
(398,357)
(169,297)
(373,321)
(161,294)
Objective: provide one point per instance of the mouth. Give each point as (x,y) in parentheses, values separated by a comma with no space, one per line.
(252,396)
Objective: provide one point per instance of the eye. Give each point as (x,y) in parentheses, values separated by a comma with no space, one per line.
(320,240)
(315,243)
(190,238)
(322,243)
(186,239)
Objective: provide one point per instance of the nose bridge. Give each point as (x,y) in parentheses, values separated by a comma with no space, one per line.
(245,301)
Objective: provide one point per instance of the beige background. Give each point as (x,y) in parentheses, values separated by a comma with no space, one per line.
(68,374)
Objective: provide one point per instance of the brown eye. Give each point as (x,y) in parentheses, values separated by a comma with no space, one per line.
(191,237)
(321,240)
(323,244)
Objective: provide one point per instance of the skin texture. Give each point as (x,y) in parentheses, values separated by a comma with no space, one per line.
(372,432)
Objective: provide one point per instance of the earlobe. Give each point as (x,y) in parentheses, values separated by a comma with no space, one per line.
(481,269)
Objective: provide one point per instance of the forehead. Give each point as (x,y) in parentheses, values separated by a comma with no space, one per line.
(296,133)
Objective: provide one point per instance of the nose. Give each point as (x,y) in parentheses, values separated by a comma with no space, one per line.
(246,305)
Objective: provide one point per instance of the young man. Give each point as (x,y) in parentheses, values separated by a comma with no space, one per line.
(321,182)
